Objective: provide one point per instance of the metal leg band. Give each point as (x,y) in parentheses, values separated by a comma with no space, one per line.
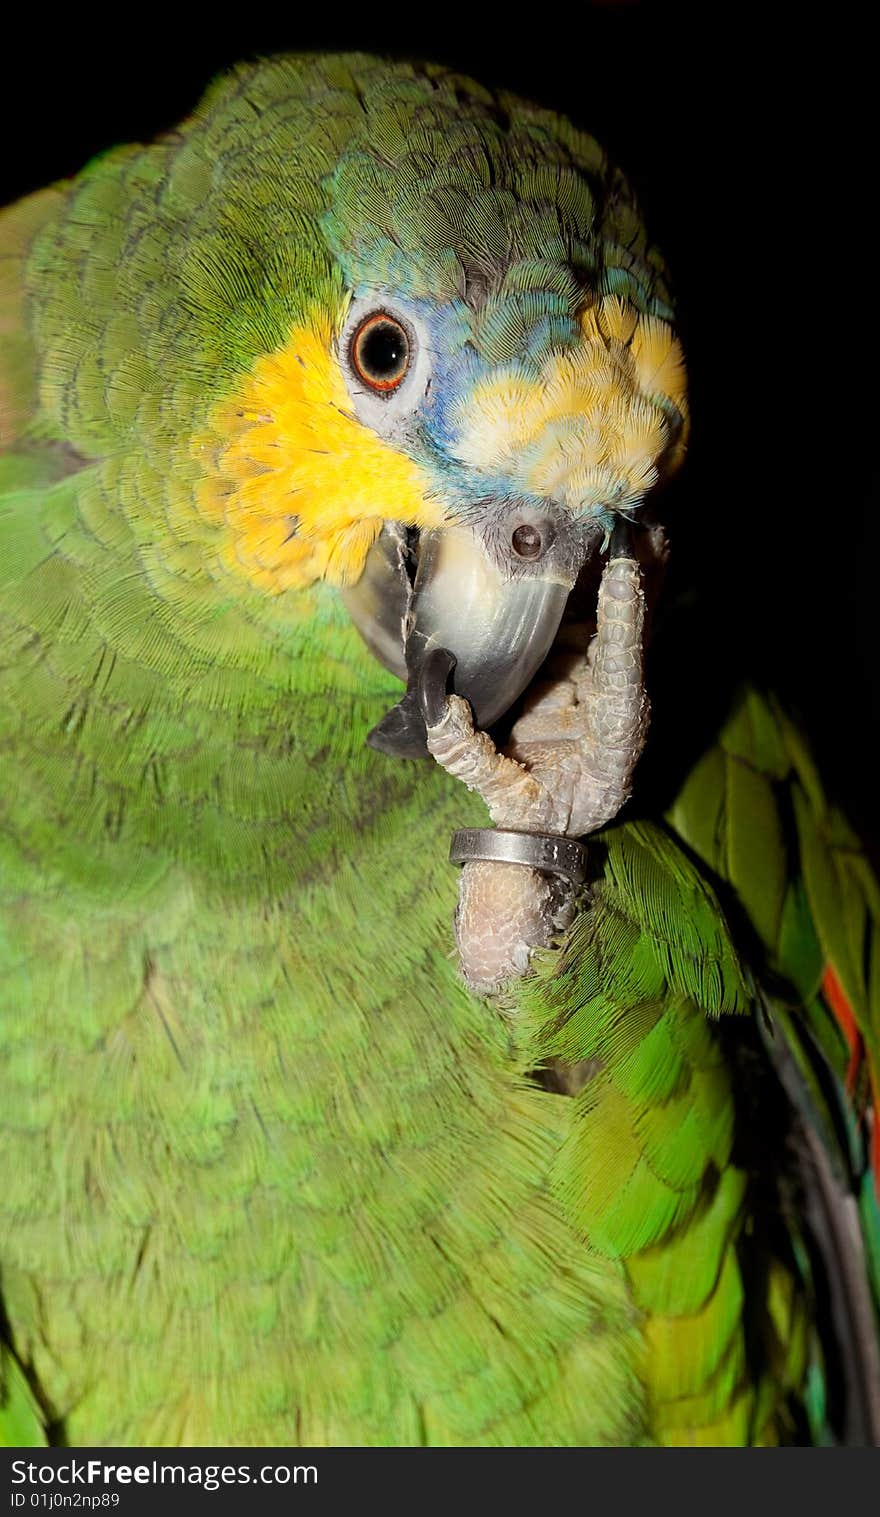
(545,851)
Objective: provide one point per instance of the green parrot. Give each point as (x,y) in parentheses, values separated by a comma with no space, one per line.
(334,428)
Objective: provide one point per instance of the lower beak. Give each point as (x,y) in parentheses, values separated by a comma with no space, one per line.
(499,627)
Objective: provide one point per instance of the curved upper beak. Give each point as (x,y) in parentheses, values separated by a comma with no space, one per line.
(498,625)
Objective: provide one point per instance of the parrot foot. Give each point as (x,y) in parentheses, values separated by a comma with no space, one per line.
(567,769)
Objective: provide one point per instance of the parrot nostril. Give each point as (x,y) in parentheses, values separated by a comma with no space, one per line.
(527,541)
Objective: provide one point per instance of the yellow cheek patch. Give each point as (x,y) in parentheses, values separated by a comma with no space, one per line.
(299,485)
(593,428)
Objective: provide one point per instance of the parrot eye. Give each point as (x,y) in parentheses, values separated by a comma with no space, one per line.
(380,352)
(385,356)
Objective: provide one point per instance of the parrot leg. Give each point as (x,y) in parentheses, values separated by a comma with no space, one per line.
(567,770)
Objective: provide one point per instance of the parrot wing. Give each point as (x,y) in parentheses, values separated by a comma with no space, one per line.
(800,892)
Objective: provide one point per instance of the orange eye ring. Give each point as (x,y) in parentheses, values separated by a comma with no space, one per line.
(380,352)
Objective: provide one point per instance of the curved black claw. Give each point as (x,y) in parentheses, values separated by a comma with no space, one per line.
(433,679)
(401,732)
(621,541)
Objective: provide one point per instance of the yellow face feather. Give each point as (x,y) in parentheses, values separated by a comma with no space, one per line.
(301,486)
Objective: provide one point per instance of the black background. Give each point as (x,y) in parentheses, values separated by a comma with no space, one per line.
(749,134)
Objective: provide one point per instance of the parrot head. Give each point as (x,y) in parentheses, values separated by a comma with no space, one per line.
(505,344)
(424,347)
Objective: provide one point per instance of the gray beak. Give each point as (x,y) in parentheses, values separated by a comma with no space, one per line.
(493,596)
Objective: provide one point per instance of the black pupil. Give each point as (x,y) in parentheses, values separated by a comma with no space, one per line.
(383,350)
